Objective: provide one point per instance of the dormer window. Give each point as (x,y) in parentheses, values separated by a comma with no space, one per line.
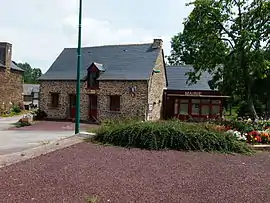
(92,79)
(93,74)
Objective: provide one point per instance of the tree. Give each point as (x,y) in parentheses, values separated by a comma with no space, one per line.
(31,75)
(227,38)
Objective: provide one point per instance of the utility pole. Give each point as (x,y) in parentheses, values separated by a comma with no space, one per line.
(78,84)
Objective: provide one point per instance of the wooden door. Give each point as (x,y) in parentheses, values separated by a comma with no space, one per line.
(92,107)
(72,105)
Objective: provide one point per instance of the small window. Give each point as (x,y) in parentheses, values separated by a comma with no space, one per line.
(183,110)
(115,103)
(215,110)
(215,101)
(195,101)
(92,80)
(205,101)
(35,95)
(195,109)
(184,101)
(205,110)
(55,99)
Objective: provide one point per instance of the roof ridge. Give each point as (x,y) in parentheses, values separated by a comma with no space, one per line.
(111,45)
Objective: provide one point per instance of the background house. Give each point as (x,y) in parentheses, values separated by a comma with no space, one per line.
(31,95)
(195,101)
(11,79)
(117,81)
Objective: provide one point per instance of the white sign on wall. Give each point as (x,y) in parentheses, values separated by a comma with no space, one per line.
(193,93)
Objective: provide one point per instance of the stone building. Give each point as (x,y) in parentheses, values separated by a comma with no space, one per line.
(116,81)
(31,95)
(11,79)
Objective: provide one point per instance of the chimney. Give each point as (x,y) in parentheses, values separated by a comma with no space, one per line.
(157,44)
(5,54)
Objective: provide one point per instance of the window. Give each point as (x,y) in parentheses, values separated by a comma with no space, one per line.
(205,101)
(115,103)
(215,101)
(35,95)
(92,79)
(183,110)
(54,99)
(205,110)
(195,107)
(215,110)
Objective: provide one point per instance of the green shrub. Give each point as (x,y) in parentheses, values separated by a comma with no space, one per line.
(16,109)
(173,135)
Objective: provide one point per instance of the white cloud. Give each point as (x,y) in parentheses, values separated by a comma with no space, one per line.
(97,32)
(39,30)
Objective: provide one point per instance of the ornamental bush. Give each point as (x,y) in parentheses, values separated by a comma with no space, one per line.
(174,135)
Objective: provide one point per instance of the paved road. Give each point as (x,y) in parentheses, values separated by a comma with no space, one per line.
(17,140)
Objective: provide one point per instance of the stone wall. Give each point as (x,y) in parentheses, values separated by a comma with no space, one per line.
(156,85)
(11,88)
(64,89)
(130,106)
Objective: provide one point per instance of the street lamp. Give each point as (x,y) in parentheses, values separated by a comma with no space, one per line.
(78,84)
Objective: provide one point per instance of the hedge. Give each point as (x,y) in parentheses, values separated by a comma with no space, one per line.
(172,135)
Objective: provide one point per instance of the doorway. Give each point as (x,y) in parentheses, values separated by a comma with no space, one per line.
(93,107)
(72,105)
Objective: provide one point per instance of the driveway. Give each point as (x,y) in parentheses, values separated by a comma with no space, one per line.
(14,139)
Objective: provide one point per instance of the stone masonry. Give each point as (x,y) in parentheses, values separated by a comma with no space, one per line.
(156,85)
(11,81)
(130,106)
(145,104)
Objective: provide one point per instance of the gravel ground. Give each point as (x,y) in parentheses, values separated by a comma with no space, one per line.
(121,176)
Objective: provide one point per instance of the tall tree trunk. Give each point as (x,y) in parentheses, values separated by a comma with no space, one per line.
(251,104)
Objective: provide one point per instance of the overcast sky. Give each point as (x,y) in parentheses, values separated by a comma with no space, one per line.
(40,29)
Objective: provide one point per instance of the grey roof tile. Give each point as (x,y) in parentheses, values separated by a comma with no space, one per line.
(122,62)
(29,88)
(13,66)
(177,79)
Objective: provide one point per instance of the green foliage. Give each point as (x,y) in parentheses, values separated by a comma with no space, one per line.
(16,109)
(244,126)
(229,39)
(31,75)
(173,135)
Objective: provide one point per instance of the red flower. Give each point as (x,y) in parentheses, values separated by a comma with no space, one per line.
(258,138)
(253,133)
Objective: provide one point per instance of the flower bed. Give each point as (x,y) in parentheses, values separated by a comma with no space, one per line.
(253,132)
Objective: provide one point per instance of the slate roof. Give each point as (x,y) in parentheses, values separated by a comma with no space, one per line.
(29,88)
(13,66)
(177,78)
(121,62)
